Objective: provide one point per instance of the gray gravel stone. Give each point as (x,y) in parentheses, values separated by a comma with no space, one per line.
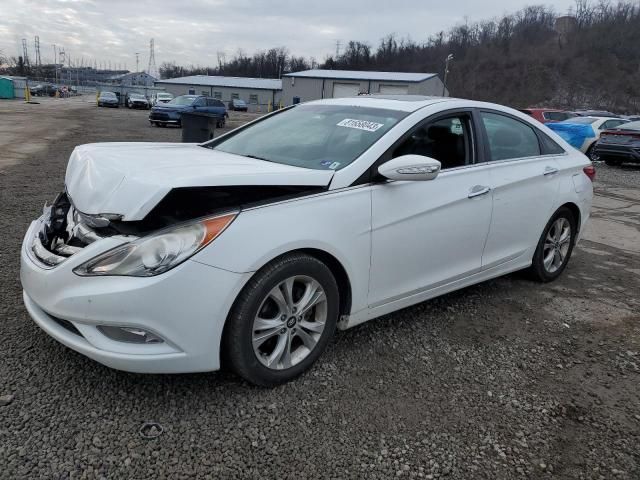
(407,390)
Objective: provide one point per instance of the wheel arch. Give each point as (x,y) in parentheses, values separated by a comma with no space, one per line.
(331,261)
(575,210)
(337,269)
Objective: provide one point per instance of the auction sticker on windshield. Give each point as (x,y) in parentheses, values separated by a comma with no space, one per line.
(360,124)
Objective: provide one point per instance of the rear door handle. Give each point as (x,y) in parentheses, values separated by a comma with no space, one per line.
(479,190)
(550,171)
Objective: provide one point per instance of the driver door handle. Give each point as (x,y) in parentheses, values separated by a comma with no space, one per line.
(478,190)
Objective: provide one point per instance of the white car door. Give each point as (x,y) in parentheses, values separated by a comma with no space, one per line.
(429,233)
(525,179)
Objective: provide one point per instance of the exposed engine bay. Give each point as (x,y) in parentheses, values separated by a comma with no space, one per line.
(65,230)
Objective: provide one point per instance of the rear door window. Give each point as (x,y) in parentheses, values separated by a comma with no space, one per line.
(509,138)
(556,116)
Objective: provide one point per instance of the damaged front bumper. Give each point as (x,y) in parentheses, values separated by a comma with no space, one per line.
(185,307)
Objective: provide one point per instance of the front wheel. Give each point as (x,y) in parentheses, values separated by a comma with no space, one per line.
(282,320)
(554,247)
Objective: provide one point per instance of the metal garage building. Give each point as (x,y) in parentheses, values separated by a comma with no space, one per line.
(12,87)
(316,84)
(258,93)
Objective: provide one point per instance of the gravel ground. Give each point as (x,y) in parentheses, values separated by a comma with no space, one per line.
(507,379)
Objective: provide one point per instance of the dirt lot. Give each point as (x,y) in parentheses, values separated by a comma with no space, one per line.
(508,379)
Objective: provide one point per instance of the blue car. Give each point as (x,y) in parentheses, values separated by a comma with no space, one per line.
(171,113)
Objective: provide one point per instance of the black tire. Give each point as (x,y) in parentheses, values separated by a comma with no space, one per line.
(613,163)
(538,271)
(592,154)
(237,346)
(220,124)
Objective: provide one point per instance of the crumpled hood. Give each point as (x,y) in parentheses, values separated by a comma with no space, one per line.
(129,179)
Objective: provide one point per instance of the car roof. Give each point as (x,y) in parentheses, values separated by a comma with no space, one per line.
(543,110)
(404,103)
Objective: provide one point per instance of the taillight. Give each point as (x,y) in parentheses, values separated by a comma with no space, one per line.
(590,171)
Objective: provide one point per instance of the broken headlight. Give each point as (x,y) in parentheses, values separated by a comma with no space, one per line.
(158,252)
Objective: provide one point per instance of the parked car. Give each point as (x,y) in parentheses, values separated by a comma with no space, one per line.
(238,105)
(620,144)
(43,90)
(547,115)
(583,132)
(257,244)
(108,99)
(161,97)
(137,100)
(37,90)
(595,113)
(171,113)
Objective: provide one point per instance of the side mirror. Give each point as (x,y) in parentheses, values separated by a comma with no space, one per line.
(410,167)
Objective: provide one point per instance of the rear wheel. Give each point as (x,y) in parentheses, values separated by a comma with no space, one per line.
(282,320)
(554,247)
(592,154)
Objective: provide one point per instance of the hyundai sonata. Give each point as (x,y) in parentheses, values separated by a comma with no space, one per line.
(251,249)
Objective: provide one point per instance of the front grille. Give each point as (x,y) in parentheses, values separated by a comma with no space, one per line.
(67,325)
(159,116)
(63,233)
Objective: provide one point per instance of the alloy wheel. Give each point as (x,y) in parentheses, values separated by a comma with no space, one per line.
(556,245)
(289,322)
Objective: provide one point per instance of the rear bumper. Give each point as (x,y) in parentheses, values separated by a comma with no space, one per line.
(618,152)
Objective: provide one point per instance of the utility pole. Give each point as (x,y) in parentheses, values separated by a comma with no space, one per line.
(338,45)
(446,73)
(25,53)
(55,61)
(151,69)
(137,62)
(37,48)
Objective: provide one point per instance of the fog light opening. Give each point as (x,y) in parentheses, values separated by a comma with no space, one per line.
(130,335)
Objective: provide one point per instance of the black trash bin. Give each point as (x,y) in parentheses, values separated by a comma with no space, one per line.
(198,127)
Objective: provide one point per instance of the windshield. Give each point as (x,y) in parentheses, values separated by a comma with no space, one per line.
(183,100)
(322,137)
(108,94)
(136,95)
(581,120)
(165,95)
(239,102)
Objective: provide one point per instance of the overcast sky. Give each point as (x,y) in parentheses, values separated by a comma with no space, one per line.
(191,32)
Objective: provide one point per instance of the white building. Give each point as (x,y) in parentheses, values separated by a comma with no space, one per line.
(316,84)
(258,93)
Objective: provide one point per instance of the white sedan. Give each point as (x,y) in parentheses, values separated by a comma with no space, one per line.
(584,132)
(252,248)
